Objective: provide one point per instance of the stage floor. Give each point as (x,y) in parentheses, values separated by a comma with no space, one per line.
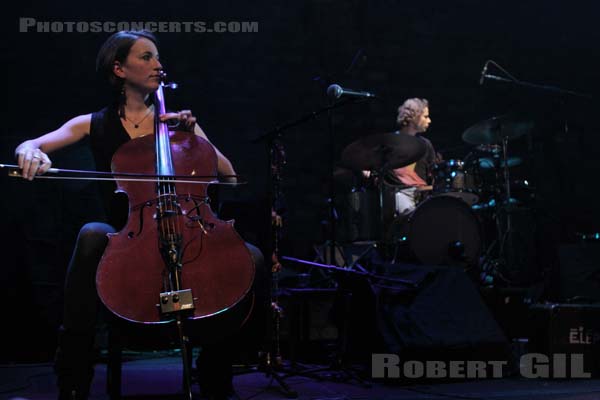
(159,377)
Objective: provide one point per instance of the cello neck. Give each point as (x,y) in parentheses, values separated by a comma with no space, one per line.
(164,162)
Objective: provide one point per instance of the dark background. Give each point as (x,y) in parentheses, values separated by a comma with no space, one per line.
(242,85)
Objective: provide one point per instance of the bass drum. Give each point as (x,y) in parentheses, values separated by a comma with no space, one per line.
(442,230)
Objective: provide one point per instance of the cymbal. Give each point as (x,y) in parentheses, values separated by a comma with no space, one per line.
(494,130)
(383,151)
(489,148)
(489,162)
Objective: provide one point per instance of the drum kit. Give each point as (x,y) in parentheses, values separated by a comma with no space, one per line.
(448,225)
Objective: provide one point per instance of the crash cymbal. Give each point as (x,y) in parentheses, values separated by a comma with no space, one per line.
(494,162)
(383,151)
(493,130)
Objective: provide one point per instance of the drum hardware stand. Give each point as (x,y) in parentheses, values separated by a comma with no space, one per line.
(527,85)
(507,200)
(380,192)
(493,267)
(398,249)
(504,232)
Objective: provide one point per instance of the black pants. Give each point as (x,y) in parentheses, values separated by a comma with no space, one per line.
(74,361)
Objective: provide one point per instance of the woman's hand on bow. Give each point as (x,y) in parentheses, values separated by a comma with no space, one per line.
(32,161)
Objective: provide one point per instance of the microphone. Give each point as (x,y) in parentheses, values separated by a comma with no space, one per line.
(336,91)
(483,71)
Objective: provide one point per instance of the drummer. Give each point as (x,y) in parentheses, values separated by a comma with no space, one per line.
(409,181)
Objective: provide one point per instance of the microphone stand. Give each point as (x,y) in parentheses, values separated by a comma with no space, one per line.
(333,216)
(276,134)
(506,235)
(332,200)
(272,358)
(529,85)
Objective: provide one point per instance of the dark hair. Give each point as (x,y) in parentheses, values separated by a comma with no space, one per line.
(116,48)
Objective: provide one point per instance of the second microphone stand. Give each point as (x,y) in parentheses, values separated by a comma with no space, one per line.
(505,230)
(271,357)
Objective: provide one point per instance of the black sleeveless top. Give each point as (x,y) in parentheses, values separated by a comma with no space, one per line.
(107,134)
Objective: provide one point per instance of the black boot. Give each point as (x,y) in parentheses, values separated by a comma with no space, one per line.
(74,364)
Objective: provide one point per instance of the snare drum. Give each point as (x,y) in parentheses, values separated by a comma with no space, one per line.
(457,178)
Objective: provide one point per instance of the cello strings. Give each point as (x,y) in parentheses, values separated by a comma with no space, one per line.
(178,228)
(172,217)
(163,231)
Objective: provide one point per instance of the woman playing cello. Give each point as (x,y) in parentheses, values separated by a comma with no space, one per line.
(129,61)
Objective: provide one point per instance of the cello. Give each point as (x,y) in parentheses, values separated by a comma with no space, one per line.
(174,261)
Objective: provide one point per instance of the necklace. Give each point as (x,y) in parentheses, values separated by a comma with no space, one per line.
(137,124)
